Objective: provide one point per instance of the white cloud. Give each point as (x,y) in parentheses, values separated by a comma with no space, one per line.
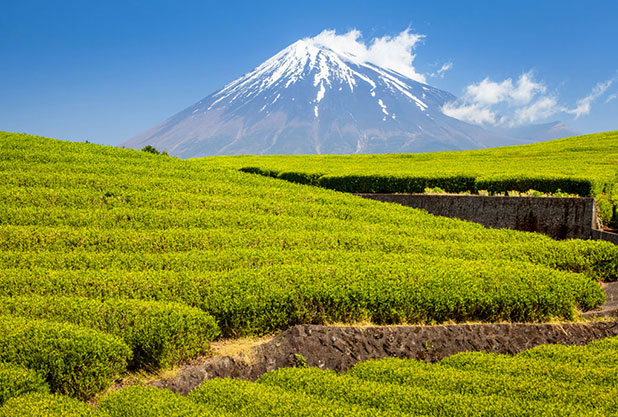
(540,109)
(392,52)
(440,73)
(473,113)
(488,92)
(521,101)
(610,98)
(513,103)
(584,104)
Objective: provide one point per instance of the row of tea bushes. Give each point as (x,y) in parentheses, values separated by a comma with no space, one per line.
(271,298)
(158,333)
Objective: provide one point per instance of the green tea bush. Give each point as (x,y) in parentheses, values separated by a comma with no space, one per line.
(243,398)
(267,299)
(412,399)
(158,333)
(144,401)
(582,165)
(75,361)
(15,380)
(47,405)
(579,186)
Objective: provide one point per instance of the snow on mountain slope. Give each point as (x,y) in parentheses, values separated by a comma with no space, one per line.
(310,99)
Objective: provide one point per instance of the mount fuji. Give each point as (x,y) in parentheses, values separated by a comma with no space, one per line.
(311,99)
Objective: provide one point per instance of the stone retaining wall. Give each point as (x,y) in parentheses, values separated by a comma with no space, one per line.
(559,218)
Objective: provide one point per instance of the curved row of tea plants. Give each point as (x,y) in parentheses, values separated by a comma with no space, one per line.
(584,165)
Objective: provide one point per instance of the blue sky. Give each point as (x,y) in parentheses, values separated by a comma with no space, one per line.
(105,71)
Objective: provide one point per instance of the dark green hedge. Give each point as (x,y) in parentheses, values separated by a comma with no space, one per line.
(74,360)
(395,184)
(15,380)
(260,171)
(300,177)
(47,405)
(580,186)
(158,333)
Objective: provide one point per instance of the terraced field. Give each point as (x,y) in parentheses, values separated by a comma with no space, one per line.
(115,259)
(584,165)
(550,380)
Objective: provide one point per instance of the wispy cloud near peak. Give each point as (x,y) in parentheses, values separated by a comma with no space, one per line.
(392,52)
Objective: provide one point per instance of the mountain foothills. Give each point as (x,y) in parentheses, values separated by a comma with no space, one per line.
(312,99)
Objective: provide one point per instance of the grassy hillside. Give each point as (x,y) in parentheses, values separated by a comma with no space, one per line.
(583,165)
(139,260)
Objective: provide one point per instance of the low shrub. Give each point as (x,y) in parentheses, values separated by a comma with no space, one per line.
(144,401)
(47,405)
(75,361)
(158,333)
(15,380)
(396,184)
(248,399)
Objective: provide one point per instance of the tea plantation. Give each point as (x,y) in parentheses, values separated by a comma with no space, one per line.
(114,260)
(584,165)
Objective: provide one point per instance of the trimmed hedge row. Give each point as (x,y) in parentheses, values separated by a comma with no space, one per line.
(145,401)
(15,380)
(75,361)
(571,185)
(47,405)
(378,183)
(158,333)
(266,299)
(395,184)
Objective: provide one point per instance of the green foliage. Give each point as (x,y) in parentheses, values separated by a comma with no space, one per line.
(75,361)
(259,254)
(395,184)
(144,401)
(151,149)
(247,399)
(606,209)
(414,289)
(549,380)
(158,333)
(299,361)
(47,405)
(15,380)
(583,165)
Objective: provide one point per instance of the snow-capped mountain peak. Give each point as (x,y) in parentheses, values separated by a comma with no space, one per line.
(318,97)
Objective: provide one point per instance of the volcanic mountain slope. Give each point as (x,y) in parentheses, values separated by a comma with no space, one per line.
(310,99)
